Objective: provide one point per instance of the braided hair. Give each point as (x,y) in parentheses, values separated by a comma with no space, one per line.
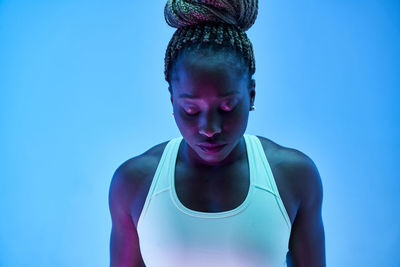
(210,24)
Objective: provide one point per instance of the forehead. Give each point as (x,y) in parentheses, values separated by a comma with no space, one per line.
(194,97)
(207,76)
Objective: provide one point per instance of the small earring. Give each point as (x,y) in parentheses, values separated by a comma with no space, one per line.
(252,107)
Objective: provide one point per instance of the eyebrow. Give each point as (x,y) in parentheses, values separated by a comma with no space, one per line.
(185,95)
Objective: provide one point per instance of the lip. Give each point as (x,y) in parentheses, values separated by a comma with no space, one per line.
(212,149)
(211,144)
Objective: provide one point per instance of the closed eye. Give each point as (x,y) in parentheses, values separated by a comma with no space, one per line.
(195,114)
(190,115)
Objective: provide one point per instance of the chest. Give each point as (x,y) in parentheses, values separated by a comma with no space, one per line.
(212,191)
(226,189)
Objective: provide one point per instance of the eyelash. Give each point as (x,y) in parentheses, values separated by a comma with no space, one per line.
(193,115)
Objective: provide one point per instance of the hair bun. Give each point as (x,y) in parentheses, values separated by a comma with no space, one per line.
(241,13)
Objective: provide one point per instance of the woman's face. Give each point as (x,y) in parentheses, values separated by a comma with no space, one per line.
(211,102)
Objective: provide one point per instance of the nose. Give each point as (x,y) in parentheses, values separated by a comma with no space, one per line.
(210,128)
(209,133)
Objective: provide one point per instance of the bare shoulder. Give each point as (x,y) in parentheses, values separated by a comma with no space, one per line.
(297,168)
(131,182)
(134,169)
(283,153)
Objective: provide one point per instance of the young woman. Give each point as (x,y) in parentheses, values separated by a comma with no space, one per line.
(215,196)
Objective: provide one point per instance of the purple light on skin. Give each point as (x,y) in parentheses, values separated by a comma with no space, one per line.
(212,150)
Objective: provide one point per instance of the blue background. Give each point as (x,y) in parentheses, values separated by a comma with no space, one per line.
(82,90)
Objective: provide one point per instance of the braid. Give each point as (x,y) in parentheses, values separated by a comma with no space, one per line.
(210,23)
(227,36)
(220,35)
(245,45)
(196,35)
(230,37)
(237,40)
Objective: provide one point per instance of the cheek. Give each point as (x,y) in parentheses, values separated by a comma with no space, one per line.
(185,124)
(236,120)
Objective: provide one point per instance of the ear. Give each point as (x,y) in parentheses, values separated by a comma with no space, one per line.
(252,91)
(170,91)
(252,84)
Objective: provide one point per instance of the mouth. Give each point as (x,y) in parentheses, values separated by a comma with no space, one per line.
(212,149)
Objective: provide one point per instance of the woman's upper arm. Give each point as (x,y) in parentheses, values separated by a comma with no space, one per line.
(124,241)
(307,241)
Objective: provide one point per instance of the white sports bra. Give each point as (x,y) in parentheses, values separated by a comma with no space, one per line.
(254,234)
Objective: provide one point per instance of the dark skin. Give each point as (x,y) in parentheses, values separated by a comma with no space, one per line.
(207,116)
(222,119)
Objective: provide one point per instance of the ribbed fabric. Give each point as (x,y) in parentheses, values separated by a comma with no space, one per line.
(254,234)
